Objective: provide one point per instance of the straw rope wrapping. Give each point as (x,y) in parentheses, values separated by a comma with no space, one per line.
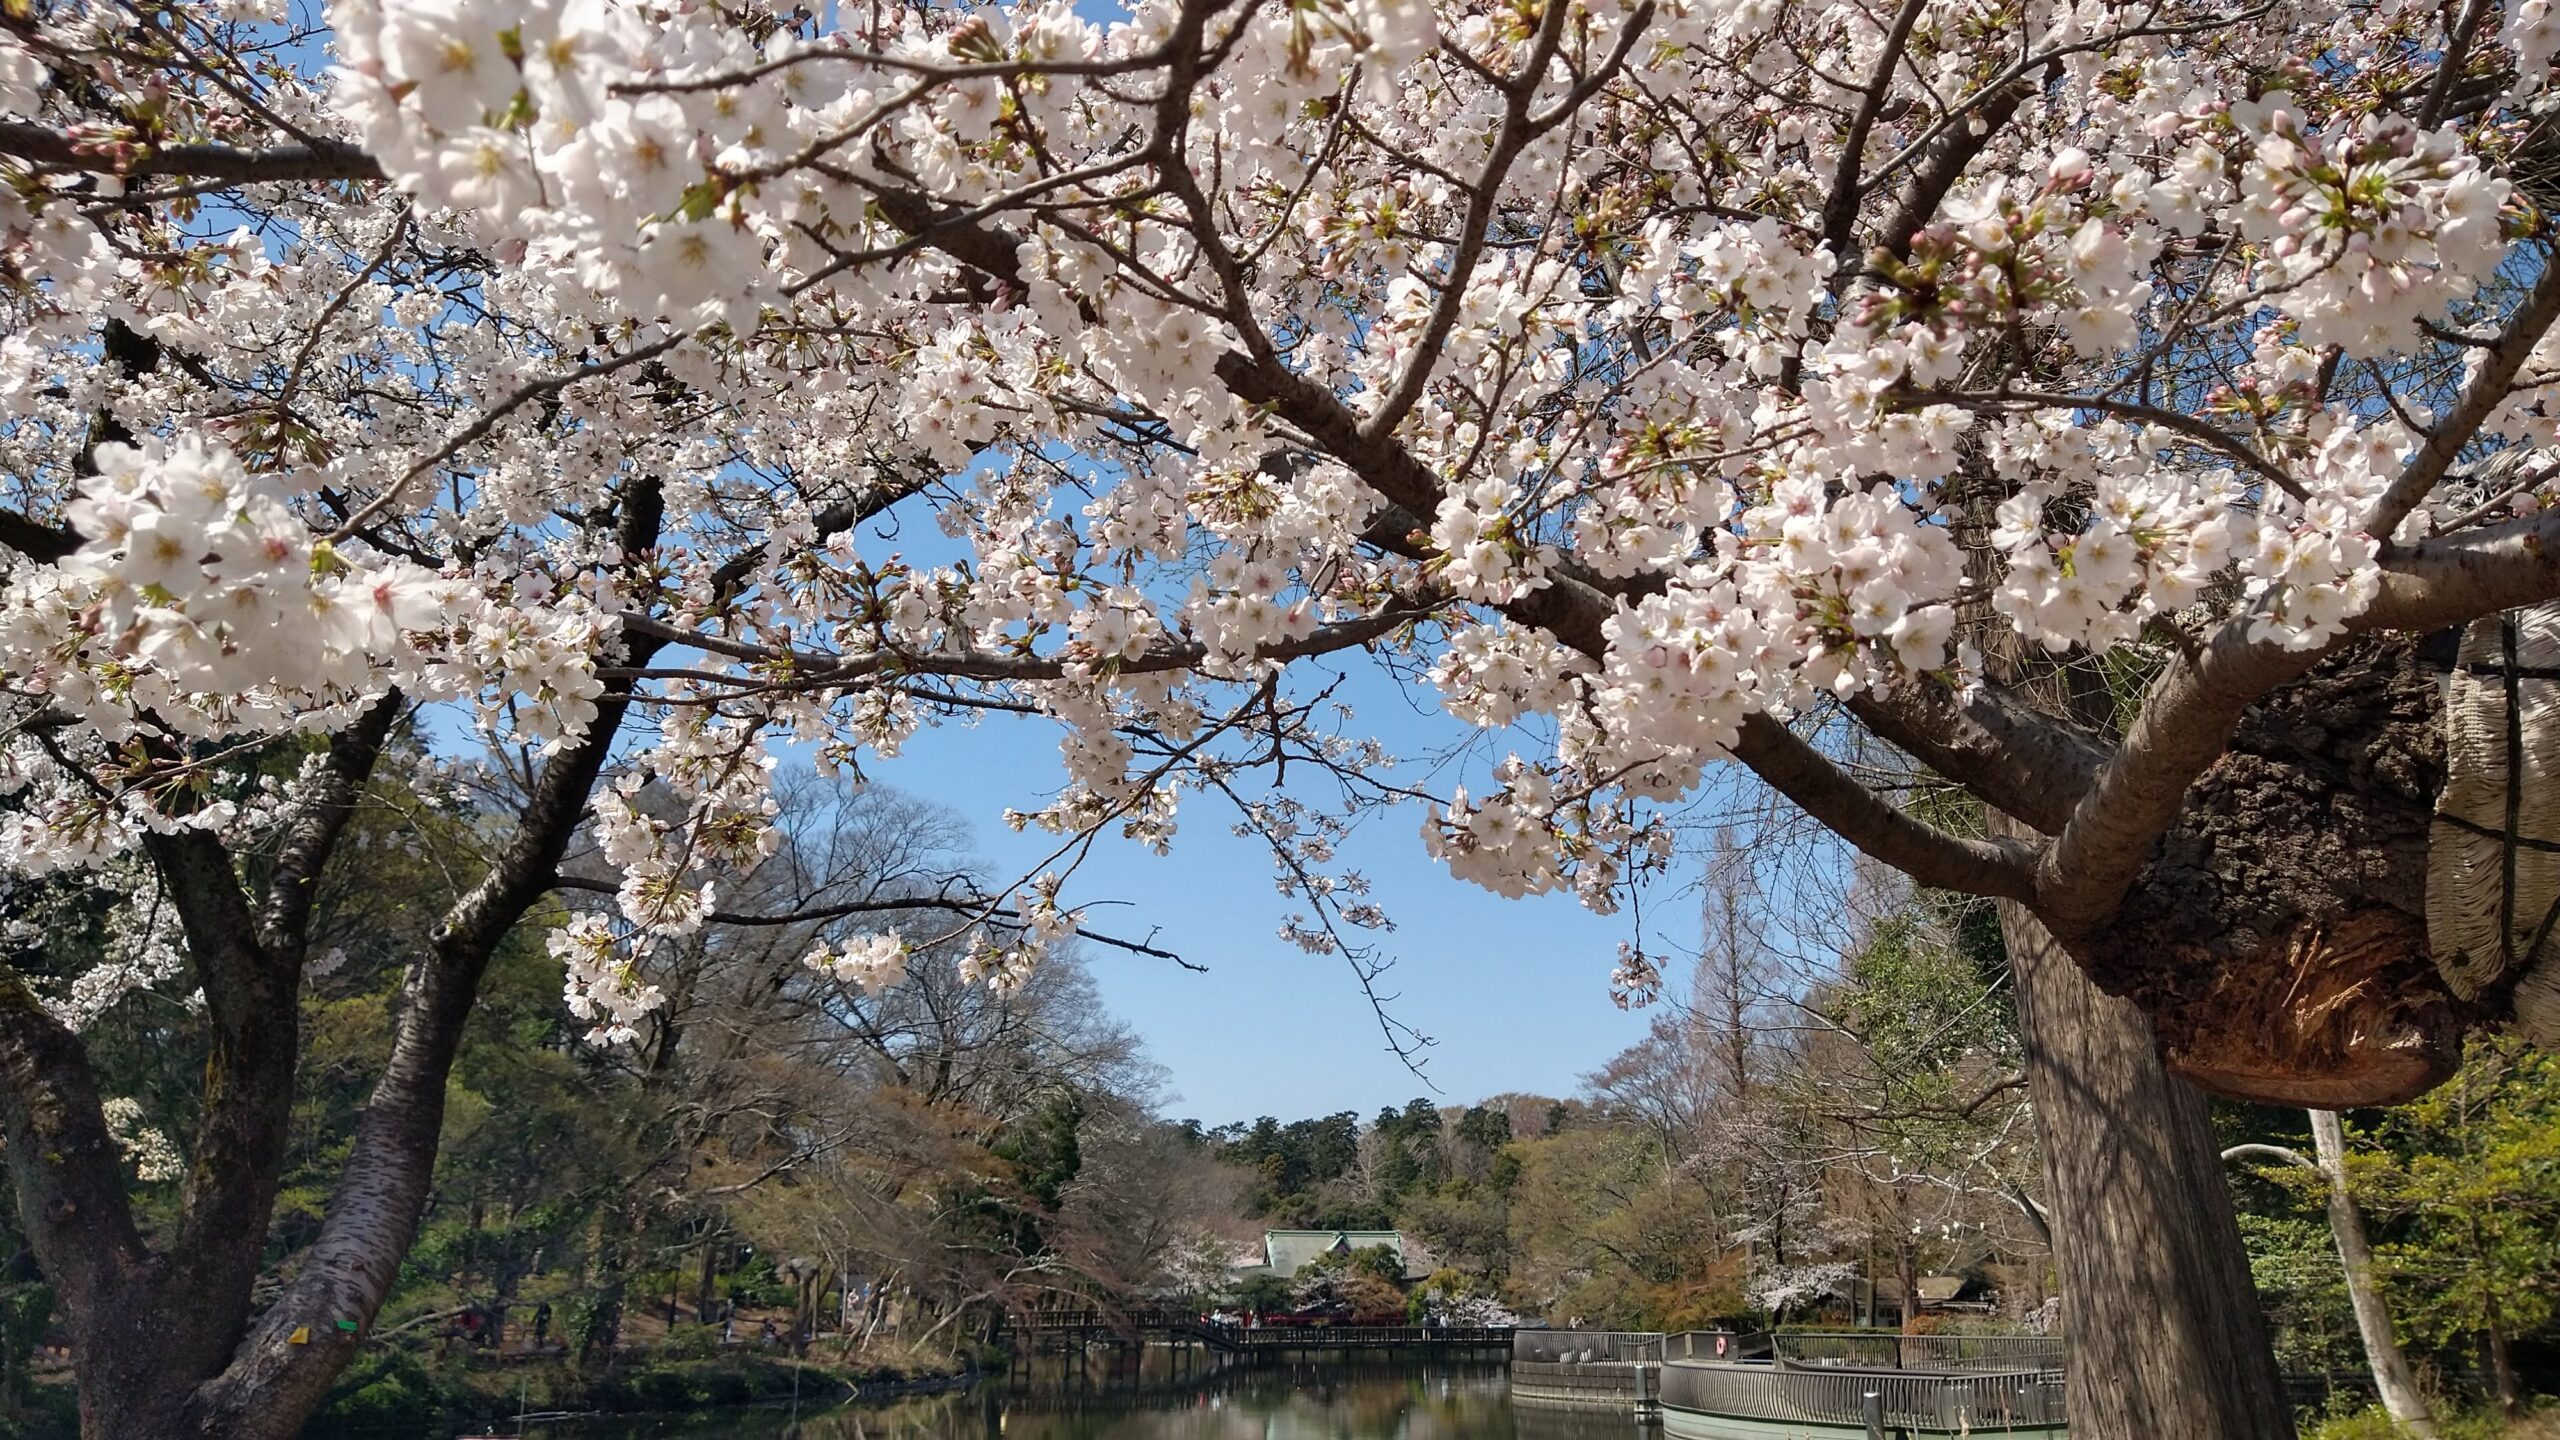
(2493,858)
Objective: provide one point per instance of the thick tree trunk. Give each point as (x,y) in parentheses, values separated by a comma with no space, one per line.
(2502,1370)
(2166,1335)
(124,1390)
(2391,1378)
(704,1292)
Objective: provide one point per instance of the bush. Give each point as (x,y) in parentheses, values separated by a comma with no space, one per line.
(2373,1423)
(691,1342)
(757,1285)
(385,1387)
(690,1385)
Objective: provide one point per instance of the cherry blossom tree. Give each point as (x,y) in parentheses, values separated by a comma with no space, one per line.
(661,390)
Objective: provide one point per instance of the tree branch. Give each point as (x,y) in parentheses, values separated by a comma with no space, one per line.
(2185,723)
(2028,764)
(383,1186)
(1940,168)
(313,836)
(981,905)
(320,160)
(254,1044)
(2276,1153)
(1840,211)
(1572,612)
(2449,579)
(68,1178)
(35,539)
(2002,868)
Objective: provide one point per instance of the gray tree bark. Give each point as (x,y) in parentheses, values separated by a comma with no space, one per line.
(2391,1377)
(2165,1334)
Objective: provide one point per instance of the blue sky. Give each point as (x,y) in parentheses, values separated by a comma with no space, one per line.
(1514,992)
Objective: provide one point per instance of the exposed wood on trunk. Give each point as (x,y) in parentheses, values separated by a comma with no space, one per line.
(2277,937)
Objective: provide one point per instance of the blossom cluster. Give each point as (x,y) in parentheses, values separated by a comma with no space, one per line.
(143,1148)
(870,962)
(2370,227)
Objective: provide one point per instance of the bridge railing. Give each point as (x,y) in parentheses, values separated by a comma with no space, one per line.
(1875,1349)
(1960,1403)
(1183,1322)
(1384,1335)
(1102,1320)
(1562,1347)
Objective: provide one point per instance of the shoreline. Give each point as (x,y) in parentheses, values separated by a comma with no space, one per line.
(408,1395)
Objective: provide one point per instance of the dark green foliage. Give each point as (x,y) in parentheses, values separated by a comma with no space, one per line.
(1043,1149)
(1291,1159)
(2460,1192)
(1265,1292)
(1408,1149)
(26,1308)
(1487,1131)
(393,1387)
(755,1282)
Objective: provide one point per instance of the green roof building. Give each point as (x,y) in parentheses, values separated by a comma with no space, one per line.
(1286,1252)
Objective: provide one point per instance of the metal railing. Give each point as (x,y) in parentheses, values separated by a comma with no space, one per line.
(1627,1382)
(1566,1347)
(1969,1403)
(1889,1350)
(1360,1336)
(1247,1337)
(1716,1345)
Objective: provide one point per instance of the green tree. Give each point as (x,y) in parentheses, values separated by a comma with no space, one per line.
(1602,1231)
(2471,1174)
(1483,1130)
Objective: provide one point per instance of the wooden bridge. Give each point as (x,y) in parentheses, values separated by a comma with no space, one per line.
(1125,1326)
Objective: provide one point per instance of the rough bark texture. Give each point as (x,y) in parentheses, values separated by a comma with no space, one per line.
(2278,937)
(2391,1377)
(273,1381)
(2166,1336)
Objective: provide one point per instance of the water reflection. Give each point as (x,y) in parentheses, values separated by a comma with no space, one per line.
(1161,1399)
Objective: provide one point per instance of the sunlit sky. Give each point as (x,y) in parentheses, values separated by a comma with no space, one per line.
(1514,992)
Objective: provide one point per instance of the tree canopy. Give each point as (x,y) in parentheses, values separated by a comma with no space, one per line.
(2073,410)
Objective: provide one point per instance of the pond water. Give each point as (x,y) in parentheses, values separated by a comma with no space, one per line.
(1263,1402)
